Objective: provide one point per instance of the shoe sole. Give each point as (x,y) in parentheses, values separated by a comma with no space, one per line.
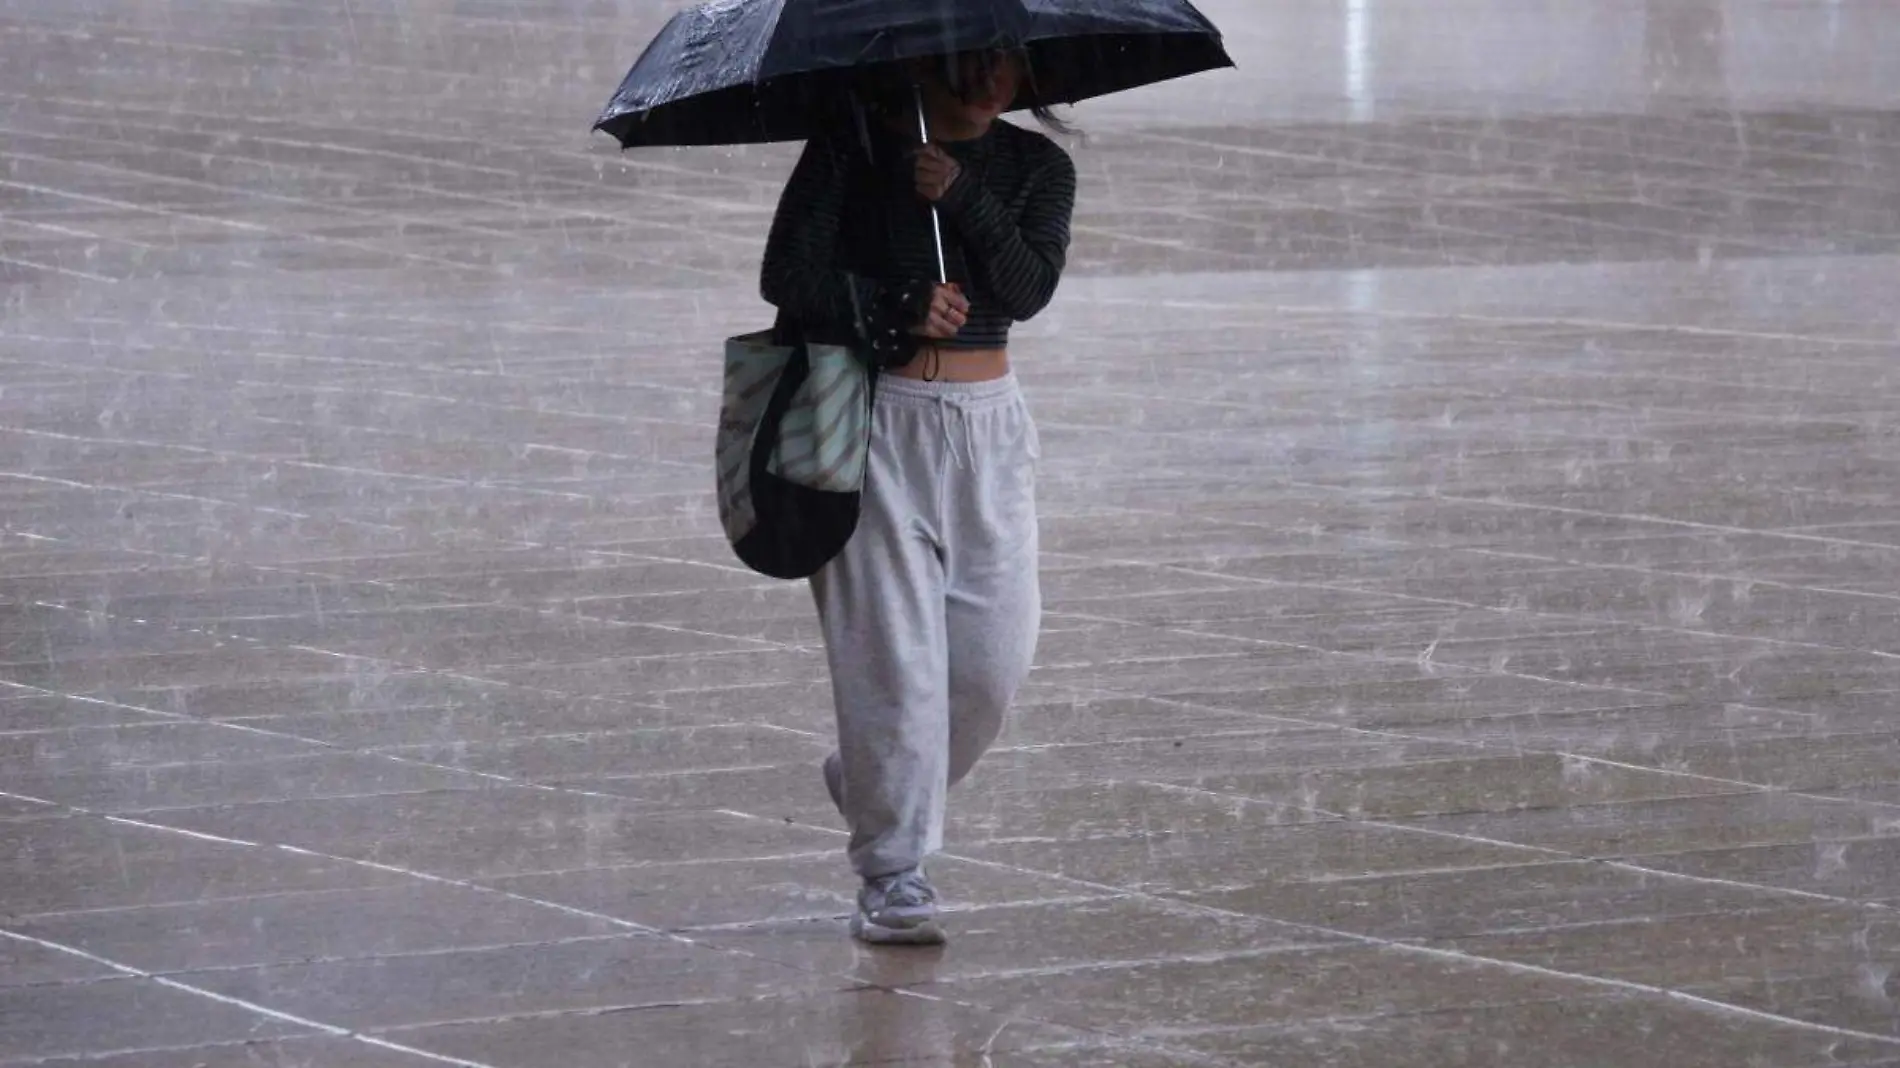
(922,933)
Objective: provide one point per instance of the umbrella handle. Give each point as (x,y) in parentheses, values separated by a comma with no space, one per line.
(936,223)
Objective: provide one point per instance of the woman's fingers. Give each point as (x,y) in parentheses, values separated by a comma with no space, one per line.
(949,309)
(937,327)
(936,172)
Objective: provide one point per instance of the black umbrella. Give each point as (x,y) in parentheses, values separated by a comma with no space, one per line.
(748,71)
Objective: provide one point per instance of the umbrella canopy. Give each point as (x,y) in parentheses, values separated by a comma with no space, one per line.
(750,71)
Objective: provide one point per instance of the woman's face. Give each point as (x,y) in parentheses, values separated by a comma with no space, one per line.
(986,86)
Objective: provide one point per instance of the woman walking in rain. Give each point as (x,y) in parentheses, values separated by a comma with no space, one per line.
(930,613)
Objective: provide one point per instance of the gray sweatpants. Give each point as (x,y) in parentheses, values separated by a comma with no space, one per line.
(930,613)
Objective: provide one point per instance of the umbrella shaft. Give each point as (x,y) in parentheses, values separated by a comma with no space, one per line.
(936,231)
(936,222)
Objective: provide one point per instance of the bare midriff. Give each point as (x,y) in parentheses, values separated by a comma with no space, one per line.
(940,363)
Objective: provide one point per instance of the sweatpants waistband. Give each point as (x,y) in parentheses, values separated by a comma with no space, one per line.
(972,396)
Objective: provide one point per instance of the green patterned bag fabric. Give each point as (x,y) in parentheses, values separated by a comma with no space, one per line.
(794,432)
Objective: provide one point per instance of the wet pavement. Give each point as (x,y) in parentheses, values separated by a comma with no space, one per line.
(1472,558)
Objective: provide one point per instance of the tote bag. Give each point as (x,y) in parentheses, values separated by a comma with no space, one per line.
(794,436)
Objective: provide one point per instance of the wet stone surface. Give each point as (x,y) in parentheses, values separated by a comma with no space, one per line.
(1471,556)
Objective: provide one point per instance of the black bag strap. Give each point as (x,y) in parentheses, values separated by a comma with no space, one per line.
(861,352)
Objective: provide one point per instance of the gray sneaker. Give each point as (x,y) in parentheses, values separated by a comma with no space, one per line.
(898,910)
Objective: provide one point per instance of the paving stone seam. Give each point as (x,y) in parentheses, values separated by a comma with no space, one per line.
(249,1006)
(1119,694)
(1697,1001)
(1565,856)
(1598,621)
(236,224)
(627,925)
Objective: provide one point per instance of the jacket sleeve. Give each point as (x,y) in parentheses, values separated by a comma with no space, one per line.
(1022,257)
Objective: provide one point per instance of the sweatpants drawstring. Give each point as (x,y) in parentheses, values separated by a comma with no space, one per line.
(945,406)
